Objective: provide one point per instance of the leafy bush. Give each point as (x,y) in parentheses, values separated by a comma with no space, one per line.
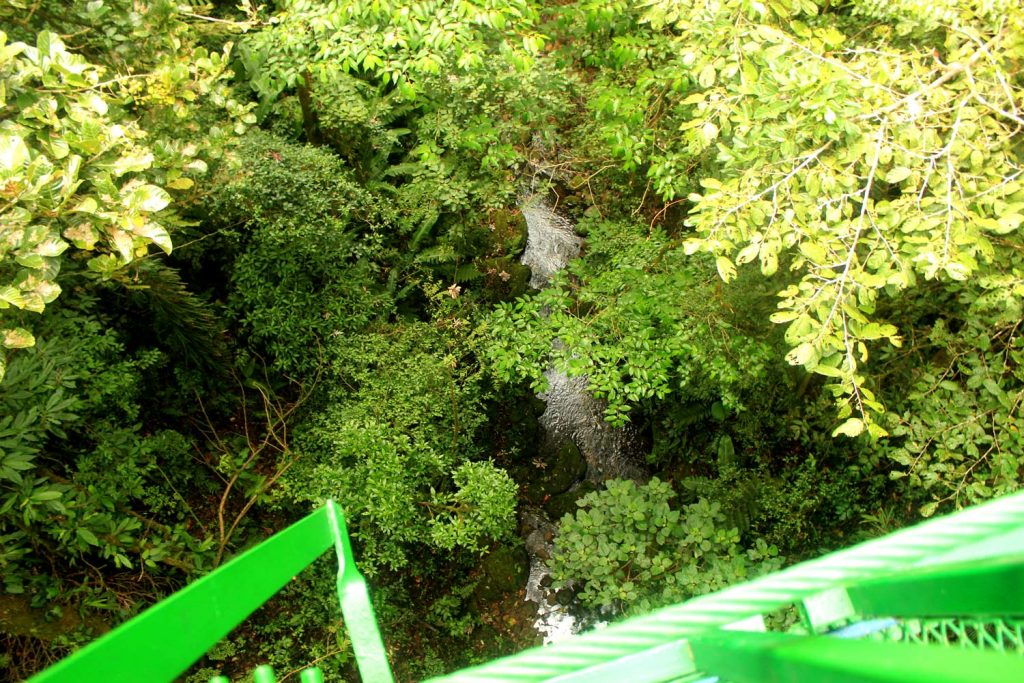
(481,509)
(955,421)
(640,324)
(81,483)
(302,275)
(630,551)
(391,438)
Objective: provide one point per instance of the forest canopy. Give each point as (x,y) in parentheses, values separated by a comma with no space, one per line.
(254,256)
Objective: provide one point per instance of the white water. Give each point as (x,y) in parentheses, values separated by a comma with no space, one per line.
(551,240)
(553,620)
(574,414)
(571,412)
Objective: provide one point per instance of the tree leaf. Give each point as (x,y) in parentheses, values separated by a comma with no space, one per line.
(18,338)
(87,536)
(802,355)
(852,427)
(726,269)
(898,174)
(13,154)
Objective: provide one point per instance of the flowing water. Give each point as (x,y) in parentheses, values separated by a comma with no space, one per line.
(571,413)
(551,240)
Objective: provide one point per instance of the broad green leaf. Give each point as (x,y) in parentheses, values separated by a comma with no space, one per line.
(783,316)
(726,269)
(957,271)
(157,235)
(748,254)
(813,251)
(150,198)
(87,536)
(898,174)
(181,183)
(852,427)
(136,161)
(1009,222)
(707,76)
(13,154)
(877,331)
(18,338)
(804,354)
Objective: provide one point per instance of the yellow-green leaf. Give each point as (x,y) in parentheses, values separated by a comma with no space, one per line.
(726,269)
(852,427)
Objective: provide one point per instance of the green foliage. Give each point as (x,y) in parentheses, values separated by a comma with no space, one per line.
(389,44)
(434,130)
(956,430)
(391,439)
(302,275)
(864,171)
(482,507)
(640,323)
(631,551)
(86,154)
(77,473)
(182,322)
(331,320)
(69,170)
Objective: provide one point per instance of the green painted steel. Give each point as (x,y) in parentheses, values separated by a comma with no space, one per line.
(929,543)
(779,657)
(665,663)
(950,590)
(988,590)
(162,642)
(356,606)
(1001,635)
(311,675)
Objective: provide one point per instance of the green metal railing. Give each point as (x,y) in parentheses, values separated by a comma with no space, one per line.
(162,642)
(941,601)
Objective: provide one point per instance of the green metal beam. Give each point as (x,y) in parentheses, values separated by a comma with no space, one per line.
(995,589)
(892,555)
(163,641)
(356,606)
(744,657)
(657,665)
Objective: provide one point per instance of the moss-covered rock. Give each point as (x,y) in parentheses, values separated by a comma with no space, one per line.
(556,470)
(509,231)
(565,503)
(503,571)
(504,277)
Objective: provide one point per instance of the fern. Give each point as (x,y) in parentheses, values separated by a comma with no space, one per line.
(183,322)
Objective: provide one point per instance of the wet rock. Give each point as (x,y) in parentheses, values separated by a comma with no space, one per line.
(531,519)
(565,597)
(503,571)
(538,406)
(565,503)
(538,544)
(573,414)
(558,468)
(551,240)
(545,581)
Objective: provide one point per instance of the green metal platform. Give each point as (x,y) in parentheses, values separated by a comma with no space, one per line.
(939,602)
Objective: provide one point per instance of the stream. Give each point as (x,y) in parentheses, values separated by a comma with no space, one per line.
(571,414)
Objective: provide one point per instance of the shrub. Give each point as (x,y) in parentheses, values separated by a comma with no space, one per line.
(629,551)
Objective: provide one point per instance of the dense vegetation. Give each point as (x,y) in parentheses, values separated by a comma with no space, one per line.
(255,256)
